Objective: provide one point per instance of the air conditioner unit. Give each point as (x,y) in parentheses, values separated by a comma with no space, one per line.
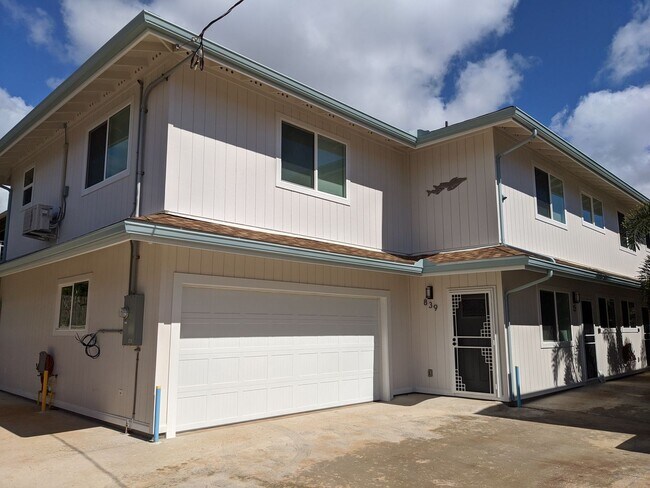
(36,222)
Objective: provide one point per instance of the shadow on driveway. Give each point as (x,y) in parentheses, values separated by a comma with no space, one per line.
(24,418)
(620,406)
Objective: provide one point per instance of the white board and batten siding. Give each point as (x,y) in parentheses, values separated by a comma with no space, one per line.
(248,354)
(432,330)
(574,242)
(464,217)
(102,205)
(101,388)
(545,366)
(222,158)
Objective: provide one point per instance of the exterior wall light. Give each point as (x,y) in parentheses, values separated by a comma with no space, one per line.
(576,297)
(429,292)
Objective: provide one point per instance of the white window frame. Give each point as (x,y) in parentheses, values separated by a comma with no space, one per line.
(592,225)
(545,344)
(618,235)
(634,328)
(280,183)
(62,283)
(542,218)
(31,185)
(606,326)
(94,125)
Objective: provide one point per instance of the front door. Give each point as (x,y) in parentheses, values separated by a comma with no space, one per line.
(589,340)
(472,343)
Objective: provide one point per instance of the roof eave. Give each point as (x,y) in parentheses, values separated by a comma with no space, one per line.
(536,264)
(131,32)
(160,234)
(479,265)
(530,123)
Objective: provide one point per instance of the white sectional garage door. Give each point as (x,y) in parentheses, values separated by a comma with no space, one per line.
(252,354)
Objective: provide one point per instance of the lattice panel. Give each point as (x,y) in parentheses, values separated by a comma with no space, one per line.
(486,330)
(486,352)
(460,386)
(455,303)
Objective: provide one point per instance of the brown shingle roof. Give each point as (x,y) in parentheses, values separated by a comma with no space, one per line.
(185,223)
(492,252)
(445,257)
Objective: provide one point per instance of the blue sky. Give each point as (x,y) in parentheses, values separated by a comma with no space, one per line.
(581,66)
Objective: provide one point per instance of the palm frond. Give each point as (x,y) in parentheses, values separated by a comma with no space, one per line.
(644,278)
(637,223)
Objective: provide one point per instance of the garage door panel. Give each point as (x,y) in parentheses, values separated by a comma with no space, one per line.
(281,366)
(224,371)
(246,355)
(280,399)
(307,364)
(193,372)
(223,406)
(253,402)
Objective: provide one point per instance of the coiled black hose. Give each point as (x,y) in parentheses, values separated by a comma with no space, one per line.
(89,341)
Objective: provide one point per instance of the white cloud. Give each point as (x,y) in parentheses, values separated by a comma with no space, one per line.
(390,62)
(629,52)
(12,110)
(39,24)
(612,127)
(53,82)
(484,85)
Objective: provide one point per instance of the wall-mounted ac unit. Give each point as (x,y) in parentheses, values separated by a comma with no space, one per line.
(36,222)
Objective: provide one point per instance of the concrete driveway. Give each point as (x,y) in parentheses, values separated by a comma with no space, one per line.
(598,435)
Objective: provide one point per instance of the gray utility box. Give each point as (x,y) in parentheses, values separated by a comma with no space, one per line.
(133,322)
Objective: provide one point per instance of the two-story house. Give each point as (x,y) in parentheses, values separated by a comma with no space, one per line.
(257,248)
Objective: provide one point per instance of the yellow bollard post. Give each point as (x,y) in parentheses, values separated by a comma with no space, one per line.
(44,391)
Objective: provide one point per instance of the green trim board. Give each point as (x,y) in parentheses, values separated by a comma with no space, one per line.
(170,235)
(263,73)
(94,241)
(580,273)
(530,263)
(155,233)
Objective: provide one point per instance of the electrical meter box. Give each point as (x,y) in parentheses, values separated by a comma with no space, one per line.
(133,316)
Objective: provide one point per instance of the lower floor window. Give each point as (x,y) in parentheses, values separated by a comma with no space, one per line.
(73,306)
(629,313)
(607,312)
(556,316)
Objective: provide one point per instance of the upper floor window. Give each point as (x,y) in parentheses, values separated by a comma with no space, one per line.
(556,316)
(629,313)
(108,145)
(73,305)
(313,160)
(28,186)
(550,196)
(592,211)
(607,312)
(622,233)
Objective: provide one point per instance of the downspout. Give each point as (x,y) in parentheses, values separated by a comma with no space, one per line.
(502,235)
(502,241)
(3,257)
(506,312)
(64,177)
(137,202)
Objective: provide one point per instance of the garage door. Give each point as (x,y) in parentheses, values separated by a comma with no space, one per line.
(252,354)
